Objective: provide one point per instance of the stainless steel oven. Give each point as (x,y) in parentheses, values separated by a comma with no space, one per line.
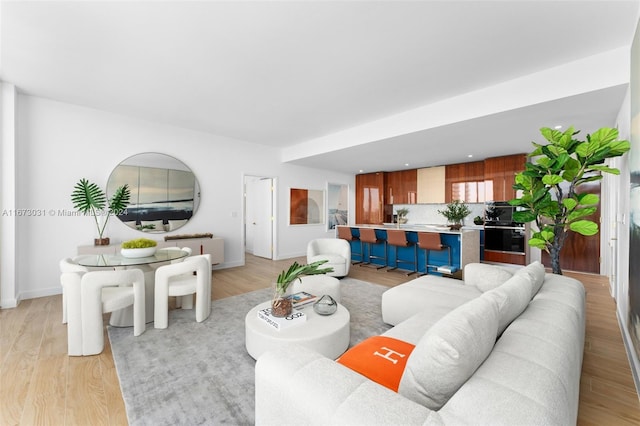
(504,238)
(501,233)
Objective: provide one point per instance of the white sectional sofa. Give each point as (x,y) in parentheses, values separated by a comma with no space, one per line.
(495,349)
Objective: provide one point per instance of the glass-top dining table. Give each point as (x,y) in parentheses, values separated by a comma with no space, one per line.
(117,260)
(124,317)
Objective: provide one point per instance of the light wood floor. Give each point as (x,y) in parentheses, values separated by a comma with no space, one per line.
(41,385)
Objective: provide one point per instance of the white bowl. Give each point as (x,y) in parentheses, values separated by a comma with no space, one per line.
(135,253)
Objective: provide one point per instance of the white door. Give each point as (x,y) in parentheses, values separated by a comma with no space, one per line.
(259,217)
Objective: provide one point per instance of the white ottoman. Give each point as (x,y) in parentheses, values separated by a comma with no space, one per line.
(328,335)
(318,285)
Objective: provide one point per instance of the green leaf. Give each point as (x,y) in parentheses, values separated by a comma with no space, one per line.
(524,216)
(582,149)
(584,227)
(120,200)
(618,148)
(538,243)
(588,199)
(604,135)
(606,169)
(87,196)
(569,203)
(586,211)
(552,179)
(547,235)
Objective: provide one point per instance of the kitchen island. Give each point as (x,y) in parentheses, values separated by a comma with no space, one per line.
(465,248)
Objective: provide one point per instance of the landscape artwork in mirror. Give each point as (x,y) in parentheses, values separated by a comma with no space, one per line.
(164,192)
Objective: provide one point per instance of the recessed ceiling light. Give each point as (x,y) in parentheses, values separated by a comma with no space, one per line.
(406,164)
(361,171)
(469,155)
(558,127)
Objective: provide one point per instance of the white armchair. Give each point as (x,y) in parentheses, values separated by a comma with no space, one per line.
(178,280)
(91,294)
(336,251)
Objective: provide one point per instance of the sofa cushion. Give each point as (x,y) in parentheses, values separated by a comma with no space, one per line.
(379,358)
(512,298)
(450,352)
(535,271)
(425,293)
(485,277)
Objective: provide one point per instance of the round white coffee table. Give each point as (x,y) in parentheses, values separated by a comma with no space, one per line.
(327,335)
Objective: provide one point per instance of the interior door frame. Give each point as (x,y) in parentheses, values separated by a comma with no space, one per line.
(274,209)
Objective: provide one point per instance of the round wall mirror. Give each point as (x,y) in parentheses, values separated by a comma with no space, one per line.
(164,192)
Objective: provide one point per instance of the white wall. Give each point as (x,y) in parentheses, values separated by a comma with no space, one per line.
(60,143)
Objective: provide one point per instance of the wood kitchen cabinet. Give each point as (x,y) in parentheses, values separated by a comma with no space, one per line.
(465,182)
(499,175)
(401,187)
(371,205)
(431,182)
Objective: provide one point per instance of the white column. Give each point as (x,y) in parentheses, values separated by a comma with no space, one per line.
(8,247)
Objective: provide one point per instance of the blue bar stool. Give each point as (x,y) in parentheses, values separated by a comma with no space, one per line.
(398,238)
(346,233)
(368,237)
(429,241)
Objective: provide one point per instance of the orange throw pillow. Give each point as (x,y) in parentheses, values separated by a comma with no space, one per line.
(379,358)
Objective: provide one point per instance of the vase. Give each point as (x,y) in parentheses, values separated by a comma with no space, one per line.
(101,241)
(135,253)
(281,305)
(402,220)
(326,305)
(455,226)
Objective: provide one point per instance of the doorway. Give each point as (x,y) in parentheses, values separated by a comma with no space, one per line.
(259,216)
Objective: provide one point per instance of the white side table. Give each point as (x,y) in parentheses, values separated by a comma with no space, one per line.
(327,335)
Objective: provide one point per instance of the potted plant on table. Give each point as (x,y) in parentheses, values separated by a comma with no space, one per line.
(140,247)
(280,304)
(402,215)
(88,198)
(455,212)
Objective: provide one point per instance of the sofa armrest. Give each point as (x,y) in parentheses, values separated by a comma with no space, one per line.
(295,385)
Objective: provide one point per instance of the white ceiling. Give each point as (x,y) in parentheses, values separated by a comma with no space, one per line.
(345,85)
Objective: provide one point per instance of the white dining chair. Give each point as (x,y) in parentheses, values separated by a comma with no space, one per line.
(91,294)
(179,280)
(68,265)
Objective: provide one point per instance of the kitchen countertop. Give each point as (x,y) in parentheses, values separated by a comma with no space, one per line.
(418,227)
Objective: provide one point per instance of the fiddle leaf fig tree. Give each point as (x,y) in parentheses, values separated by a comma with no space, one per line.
(550,186)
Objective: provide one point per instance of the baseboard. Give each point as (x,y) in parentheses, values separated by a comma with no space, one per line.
(631,355)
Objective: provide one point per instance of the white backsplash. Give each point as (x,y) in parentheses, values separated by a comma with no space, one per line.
(427,214)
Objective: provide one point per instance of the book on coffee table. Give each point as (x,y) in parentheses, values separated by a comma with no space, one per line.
(281,323)
(301,299)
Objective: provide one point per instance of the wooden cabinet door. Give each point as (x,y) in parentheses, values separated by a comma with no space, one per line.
(402,187)
(431,184)
(370,190)
(464,182)
(513,164)
(499,176)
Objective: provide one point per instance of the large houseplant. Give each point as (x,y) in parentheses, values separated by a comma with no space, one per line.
(89,198)
(455,212)
(281,304)
(550,186)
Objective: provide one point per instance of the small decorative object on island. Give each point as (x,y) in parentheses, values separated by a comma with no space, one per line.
(280,304)
(478,220)
(87,197)
(455,212)
(402,215)
(549,186)
(140,247)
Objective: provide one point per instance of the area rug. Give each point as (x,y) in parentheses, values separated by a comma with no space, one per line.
(200,373)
